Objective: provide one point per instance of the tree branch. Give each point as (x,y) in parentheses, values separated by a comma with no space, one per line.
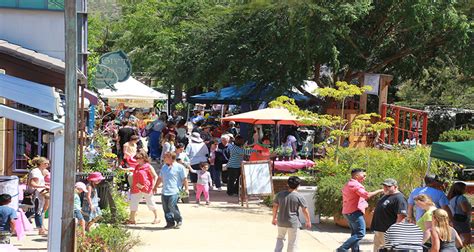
(353,44)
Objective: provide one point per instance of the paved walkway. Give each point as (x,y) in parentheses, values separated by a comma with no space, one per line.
(222,226)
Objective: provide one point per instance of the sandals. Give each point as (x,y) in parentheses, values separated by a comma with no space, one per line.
(129,222)
(156,221)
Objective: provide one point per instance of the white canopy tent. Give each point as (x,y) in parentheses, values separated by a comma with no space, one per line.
(132,93)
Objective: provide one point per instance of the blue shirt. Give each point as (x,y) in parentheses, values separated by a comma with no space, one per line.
(7,214)
(172,177)
(237,155)
(438,197)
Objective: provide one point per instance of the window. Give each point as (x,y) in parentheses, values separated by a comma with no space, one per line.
(33,4)
(28,141)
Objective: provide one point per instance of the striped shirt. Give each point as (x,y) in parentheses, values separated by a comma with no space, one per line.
(237,155)
(404,233)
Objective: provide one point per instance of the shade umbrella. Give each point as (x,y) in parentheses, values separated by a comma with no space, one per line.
(274,116)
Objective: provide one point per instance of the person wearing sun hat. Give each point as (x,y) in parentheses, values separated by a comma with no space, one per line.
(197,152)
(79,188)
(91,210)
(390,209)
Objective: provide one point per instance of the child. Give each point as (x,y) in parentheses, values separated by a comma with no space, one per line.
(79,188)
(91,208)
(144,178)
(286,205)
(7,219)
(203,182)
(212,161)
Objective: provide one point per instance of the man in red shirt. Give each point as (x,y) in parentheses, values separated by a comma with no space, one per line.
(354,203)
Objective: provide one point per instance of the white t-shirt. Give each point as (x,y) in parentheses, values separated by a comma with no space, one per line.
(36,173)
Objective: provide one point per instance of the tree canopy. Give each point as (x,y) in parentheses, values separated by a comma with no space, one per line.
(424,44)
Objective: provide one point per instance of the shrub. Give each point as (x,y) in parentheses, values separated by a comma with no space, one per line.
(407,166)
(457,135)
(108,238)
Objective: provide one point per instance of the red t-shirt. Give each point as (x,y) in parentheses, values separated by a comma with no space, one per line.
(142,175)
(263,155)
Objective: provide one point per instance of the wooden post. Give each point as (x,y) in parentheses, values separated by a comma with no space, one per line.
(425,129)
(397,124)
(363,98)
(383,114)
(385,81)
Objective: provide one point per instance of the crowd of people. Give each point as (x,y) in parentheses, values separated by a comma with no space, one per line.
(428,221)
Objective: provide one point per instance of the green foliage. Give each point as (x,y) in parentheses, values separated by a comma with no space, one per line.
(343,91)
(103,160)
(407,166)
(122,210)
(108,238)
(457,136)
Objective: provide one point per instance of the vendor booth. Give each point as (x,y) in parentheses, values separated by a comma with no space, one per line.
(277,117)
(132,93)
(249,92)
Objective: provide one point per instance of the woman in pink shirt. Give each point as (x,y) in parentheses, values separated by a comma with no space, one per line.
(354,203)
(144,178)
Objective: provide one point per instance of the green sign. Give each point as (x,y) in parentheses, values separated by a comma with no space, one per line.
(113,67)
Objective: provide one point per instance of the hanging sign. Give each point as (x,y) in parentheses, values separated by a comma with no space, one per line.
(113,67)
(372,80)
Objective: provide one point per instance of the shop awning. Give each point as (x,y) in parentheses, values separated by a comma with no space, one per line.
(248,92)
(29,93)
(458,152)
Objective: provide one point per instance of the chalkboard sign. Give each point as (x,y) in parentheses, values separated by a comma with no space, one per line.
(256,179)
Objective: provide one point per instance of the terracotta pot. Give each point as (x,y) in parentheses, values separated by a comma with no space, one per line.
(369,215)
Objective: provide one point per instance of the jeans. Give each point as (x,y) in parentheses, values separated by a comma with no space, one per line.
(233,181)
(292,238)
(154,145)
(357,224)
(216,176)
(170,207)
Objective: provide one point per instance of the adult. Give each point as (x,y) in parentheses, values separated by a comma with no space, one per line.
(233,129)
(154,136)
(425,203)
(222,158)
(168,144)
(291,144)
(182,132)
(130,149)
(197,152)
(404,235)
(461,209)
(263,150)
(444,238)
(285,214)
(37,184)
(206,133)
(437,196)
(175,117)
(170,128)
(124,135)
(172,174)
(354,203)
(390,209)
(237,153)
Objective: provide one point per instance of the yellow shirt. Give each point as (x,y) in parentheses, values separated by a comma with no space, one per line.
(427,216)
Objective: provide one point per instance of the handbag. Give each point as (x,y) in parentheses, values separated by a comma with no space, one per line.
(28,199)
(458,217)
(45,193)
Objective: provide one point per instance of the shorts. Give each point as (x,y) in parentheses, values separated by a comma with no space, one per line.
(135,200)
(78,215)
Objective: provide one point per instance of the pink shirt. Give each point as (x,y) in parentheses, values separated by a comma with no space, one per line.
(353,197)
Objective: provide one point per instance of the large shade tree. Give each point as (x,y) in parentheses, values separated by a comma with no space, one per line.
(198,43)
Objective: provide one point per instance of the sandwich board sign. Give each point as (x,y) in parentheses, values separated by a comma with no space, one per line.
(256,180)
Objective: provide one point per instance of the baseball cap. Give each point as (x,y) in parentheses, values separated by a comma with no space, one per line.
(390,182)
(81,186)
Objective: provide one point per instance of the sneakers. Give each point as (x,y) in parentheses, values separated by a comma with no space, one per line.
(219,189)
(169,225)
(198,202)
(207,203)
(178,225)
